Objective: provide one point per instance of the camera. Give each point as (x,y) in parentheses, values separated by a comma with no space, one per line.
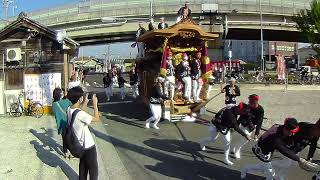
(90,95)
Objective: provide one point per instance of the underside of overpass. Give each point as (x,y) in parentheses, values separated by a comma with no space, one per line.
(268,35)
(105,38)
(233,33)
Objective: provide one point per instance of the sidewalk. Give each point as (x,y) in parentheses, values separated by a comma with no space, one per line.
(31,150)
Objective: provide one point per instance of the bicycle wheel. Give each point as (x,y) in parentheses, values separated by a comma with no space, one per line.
(36,110)
(15,110)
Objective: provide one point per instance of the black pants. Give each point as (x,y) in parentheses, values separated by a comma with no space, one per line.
(89,163)
(64,147)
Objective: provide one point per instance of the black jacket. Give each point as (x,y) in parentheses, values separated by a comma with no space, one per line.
(151,26)
(182,71)
(160,26)
(180,12)
(195,69)
(156,95)
(273,139)
(143,30)
(227,118)
(302,139)
(255,119)
(107,80)
(231,98)
(170,70)
(133,79)
(121,81)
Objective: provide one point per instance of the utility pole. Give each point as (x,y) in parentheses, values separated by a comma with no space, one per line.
(151,10)
(13,8)
(6,6)
(261,31)
(109,60)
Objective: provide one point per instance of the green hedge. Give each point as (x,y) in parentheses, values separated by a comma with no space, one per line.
(250,66)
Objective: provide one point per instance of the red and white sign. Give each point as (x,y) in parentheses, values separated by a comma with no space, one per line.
(281,67)
(218,64)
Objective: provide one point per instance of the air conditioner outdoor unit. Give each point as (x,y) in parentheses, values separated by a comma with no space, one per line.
(14,54)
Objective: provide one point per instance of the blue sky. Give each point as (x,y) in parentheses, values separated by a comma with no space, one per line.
(116,49)
(31,5)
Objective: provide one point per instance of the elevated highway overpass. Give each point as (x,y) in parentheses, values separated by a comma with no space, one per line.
(237,19)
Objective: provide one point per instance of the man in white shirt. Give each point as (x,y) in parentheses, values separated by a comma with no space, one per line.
(88,162)
(140,45)
(162,24)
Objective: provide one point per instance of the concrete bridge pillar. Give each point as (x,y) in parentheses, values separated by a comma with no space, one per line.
(215,48)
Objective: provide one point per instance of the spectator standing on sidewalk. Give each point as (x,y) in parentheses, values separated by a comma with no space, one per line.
(88,162)
(59,108)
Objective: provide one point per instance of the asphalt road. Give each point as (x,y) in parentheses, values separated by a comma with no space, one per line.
(173,151)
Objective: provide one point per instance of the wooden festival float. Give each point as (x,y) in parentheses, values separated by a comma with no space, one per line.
(183,37)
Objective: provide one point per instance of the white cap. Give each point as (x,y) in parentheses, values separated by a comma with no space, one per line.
(160,79)
(211,77)
(232,79)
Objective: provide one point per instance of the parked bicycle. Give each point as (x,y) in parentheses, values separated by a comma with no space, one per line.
(34,109)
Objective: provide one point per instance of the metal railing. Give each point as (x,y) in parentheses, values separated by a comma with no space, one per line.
(91,10)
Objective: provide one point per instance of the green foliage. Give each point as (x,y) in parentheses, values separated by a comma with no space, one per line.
(308,22)
(272,77)
(247,77)
(250,66)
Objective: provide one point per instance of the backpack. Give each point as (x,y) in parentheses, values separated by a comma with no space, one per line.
(70,139)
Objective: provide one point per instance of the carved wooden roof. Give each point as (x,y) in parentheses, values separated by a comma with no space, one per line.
(25,24)
(185,28)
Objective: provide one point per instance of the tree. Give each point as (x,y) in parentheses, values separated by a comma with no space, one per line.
(308,22)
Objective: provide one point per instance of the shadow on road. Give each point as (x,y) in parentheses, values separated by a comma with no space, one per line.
(125,121)
(173,166)
(47,139)
(132,110)
(45,152)
(185,148)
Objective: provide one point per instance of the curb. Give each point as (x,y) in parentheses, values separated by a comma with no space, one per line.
(110,164)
